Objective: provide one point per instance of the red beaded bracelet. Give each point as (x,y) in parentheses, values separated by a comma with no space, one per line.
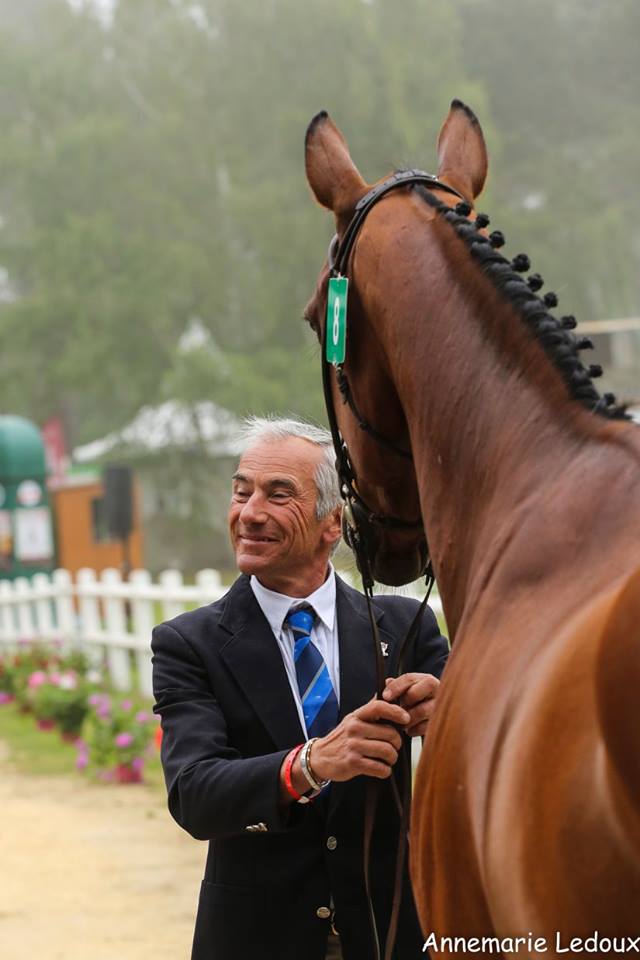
(288,764)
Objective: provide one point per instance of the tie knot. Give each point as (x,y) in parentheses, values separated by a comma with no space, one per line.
(300,621)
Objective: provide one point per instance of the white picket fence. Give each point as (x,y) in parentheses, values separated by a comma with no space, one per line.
(110,619)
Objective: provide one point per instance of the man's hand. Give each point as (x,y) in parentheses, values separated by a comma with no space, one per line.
(364,742)
(415,692)
(367,740)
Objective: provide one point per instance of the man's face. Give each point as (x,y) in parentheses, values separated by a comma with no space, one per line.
(272,516)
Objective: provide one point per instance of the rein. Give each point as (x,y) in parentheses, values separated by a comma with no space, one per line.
(359,524)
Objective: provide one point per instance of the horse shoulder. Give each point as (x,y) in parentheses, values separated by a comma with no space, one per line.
(569,761)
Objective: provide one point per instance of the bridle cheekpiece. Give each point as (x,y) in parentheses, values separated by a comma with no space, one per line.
(359,520)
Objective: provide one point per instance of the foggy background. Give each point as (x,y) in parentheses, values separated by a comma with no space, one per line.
(158,240)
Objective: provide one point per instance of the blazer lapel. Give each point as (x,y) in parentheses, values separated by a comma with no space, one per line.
(357,655)
(253,656)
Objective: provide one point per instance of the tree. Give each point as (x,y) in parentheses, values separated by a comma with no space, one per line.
(153,174)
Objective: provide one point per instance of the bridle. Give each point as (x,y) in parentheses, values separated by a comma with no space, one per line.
(359,523)
(359,520)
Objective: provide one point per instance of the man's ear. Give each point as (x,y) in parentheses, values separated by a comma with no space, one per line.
(462,154)
(333,531)
(332,174)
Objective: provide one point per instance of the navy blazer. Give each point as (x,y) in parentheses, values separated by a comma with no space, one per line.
(229,719)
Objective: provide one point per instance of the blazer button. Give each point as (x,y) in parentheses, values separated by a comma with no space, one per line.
(332,843)
(323,913)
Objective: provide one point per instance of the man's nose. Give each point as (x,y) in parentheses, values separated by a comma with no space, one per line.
(253,509)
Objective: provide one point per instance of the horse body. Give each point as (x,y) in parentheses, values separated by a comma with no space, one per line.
(518,724)
(522,822)
(526,812)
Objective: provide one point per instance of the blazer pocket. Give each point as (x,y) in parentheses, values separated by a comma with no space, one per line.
(229,893)
(229,923)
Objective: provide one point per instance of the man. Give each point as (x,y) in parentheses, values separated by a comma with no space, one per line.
(249,737)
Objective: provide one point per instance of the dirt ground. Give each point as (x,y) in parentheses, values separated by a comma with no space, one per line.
(93,872)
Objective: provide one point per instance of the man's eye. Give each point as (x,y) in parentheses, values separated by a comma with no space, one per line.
(280,495)
(240,494)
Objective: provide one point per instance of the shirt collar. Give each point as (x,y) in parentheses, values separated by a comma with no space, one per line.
(276,606)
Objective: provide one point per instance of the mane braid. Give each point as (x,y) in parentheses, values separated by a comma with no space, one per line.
(559,344)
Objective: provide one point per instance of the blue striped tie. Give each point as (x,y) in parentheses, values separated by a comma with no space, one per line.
(319,702)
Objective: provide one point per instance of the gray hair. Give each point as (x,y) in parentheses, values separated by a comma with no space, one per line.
(258,429)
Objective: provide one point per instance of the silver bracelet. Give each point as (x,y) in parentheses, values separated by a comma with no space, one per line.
(305,765)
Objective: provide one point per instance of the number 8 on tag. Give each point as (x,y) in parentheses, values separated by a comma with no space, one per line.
(337,319)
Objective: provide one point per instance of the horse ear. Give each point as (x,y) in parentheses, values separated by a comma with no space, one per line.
(332,174)
(462,154)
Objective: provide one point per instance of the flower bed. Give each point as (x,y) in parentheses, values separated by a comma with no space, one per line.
(114,735)
(59,699)
(16,668)
(117,736)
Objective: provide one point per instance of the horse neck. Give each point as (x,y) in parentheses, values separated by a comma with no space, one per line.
(491,423)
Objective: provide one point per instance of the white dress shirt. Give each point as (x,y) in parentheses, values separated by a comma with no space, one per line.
(324,632)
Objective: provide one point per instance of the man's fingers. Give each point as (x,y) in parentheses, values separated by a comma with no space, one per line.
(381,731)
(376,710)
(424,691)
(378,750)
(396,687)
(423,711)
(411,688)
(373,768)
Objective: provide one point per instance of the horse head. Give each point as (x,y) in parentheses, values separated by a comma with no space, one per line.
(363,390)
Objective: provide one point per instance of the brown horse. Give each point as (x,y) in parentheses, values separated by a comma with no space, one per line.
(526,817)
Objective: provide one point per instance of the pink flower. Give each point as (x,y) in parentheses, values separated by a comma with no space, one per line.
(103,708)
(82,758)
(124,740)
(95,699)
(142,717)
(55,678)
(126,705)
(5,697)
(137,763)
(37,678)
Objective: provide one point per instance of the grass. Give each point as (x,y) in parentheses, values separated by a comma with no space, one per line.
(36,752)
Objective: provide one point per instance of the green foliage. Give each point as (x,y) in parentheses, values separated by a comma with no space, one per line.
(117,731)
(30,750)
(52,684)
(60,690)
(61,698)
(153,173)
(16,668)
(564,91)
(152,177)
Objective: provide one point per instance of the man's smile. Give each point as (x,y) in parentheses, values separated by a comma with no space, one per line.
(255,538)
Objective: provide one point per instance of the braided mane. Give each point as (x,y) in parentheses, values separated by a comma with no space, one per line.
(561,346)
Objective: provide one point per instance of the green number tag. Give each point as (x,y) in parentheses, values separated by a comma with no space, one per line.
(337,319)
